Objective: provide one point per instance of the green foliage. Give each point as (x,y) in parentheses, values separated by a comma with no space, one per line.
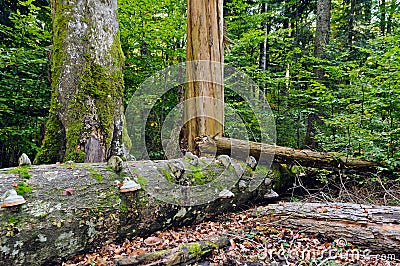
(353,109)
(152,38)
(24,87)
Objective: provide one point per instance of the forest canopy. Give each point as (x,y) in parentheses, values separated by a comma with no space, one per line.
(330,70)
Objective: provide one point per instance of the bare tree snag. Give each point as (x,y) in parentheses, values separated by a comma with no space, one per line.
(204,95)
(281,154)
(376,228)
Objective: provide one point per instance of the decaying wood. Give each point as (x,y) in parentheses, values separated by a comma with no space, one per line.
(75,207)
(182,255)
(204,95)
(374,228)
(307,158)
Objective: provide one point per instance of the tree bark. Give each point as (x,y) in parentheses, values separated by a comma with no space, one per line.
(308,158)
(204,95)
(382,16)
(376,228)
(86,113)
(74,208)
(322,30)
(264,60)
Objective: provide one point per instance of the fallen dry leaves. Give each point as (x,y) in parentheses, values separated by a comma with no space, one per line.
(253,241)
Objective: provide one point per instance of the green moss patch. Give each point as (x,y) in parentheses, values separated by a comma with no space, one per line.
(21,170)
(23,188)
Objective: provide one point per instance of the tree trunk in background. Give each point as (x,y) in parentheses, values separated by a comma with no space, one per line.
(86,114)
(322,30)
(350,30)
(367,11)
(391,12)
(204,95)
(382,16)
(264,45)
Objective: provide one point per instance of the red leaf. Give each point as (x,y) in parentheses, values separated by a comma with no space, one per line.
(68,191)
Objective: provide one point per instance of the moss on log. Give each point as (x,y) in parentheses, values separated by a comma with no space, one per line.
(73,208)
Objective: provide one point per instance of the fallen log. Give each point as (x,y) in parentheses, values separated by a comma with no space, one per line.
(307,158)
(182,255)
(73,208)
(373,229)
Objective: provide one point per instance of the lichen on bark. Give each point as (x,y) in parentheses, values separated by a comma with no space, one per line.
(86,117)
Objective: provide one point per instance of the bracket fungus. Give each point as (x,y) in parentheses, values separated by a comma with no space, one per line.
(24,160)
(226,194)
(11,198)
(129,185)
(225,160)
(271,194)
(252,162)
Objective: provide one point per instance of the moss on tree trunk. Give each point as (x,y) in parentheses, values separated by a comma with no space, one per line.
(86,115)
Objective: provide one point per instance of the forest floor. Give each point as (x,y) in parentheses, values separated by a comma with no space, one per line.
(256,241)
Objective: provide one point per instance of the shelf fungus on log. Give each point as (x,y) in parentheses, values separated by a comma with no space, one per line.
(97,212)
(11,199)
(129,186)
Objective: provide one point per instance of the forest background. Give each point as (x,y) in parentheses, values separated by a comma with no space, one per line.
(332,86)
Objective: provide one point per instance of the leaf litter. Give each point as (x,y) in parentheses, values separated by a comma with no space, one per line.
(254,241)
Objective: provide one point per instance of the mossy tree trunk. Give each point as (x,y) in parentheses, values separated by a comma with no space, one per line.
(86,115)
(204,95)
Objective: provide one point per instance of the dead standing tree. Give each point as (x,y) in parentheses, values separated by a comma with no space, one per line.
(204,95)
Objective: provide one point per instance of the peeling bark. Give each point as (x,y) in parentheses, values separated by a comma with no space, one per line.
(376,228)
(204,95)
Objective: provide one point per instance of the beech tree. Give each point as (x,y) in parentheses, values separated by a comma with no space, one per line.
(86,113)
